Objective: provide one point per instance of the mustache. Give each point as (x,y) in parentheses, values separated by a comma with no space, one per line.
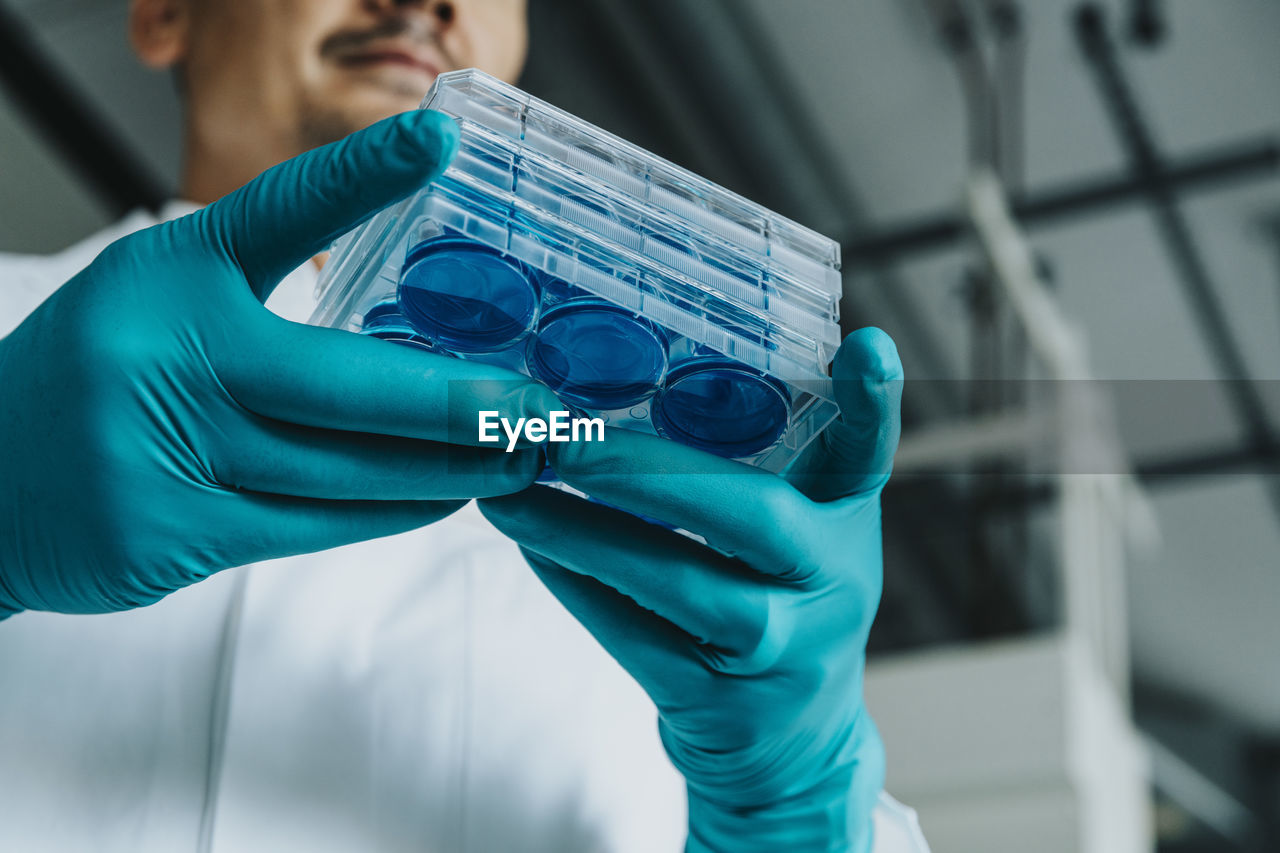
(405,28)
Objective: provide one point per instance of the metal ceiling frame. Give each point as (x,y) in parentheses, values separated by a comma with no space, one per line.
(1151,180)
(1176,234)
(1203,171)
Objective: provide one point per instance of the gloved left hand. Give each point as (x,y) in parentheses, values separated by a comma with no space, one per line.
(158,424)
(753,651)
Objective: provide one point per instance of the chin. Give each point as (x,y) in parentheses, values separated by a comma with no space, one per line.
(334,122)
(389,90)
(376,108)
(339,110)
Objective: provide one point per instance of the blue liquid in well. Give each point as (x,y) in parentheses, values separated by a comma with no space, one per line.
(384,313)
(598,356)
(385,322)
(465,296)
(722,407)
(405,338)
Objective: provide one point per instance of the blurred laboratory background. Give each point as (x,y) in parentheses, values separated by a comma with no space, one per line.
(1067,214)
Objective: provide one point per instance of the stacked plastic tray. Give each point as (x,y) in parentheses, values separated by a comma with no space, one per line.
(639,292)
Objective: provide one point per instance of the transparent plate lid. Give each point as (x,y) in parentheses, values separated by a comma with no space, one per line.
(539,126)
(511,169)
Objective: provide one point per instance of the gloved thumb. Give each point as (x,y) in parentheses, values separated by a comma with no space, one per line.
(295,210)
(854,455)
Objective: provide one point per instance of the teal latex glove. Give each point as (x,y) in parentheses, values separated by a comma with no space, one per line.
(753,651)
(158,424)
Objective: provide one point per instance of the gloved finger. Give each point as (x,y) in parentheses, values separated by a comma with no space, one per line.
(655,652)
(286,459)
(272,526)
(334,379)
(297,209)
(740,510)
(854,455)
(705,594)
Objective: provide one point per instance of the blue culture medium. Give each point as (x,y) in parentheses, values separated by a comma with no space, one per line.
(597,355)
(465,296)
(385,322)
(722,406)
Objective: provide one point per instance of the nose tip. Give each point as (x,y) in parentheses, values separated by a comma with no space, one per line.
(444,11)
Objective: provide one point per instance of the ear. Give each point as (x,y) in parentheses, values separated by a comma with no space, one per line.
(158,31)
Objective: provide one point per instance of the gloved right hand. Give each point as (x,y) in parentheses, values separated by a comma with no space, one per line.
(753,648)
(158,424)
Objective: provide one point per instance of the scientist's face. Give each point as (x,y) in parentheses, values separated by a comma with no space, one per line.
(320,69)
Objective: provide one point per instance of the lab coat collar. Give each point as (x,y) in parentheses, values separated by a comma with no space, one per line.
(176,207)
(294,298)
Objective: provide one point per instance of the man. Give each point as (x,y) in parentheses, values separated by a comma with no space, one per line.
(415,692)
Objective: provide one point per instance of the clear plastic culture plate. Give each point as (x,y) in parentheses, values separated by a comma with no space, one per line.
(621,305)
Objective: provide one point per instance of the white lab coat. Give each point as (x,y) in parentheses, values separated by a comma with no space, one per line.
(422,692)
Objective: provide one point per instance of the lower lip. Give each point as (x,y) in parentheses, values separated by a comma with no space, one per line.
(388,60)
